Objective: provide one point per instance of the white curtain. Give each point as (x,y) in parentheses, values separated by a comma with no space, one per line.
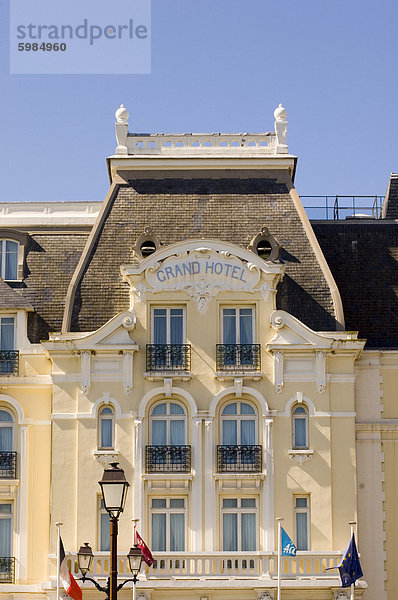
(229,433)
(230,532)
(176,326)
(300,437)
(247,432)
(177,433)
(229,326)
(248,524)
(159,532)
(5,536)
(105,533)
(11,260)
(159,326)
(159,433)
(7,333)
(246,326)
(5,439)
(106,433)
(177,532)
(301,530)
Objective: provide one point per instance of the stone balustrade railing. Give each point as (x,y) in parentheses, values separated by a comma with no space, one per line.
(222,565)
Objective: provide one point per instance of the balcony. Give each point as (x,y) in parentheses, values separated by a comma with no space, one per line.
(168,459)
(239,459)
(168,357)
(9,362)
(8,464)
(180,567)
(236,358)
(7,569)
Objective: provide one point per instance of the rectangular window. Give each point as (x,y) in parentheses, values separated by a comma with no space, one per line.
(238,325)
(7,333)
(5,530)
(301,504)
(239,524)
(103,527)
(168,326)
(168,520)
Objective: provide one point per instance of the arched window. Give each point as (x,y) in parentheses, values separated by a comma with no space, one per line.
(9,259)
(300,426)
(238,424)
(106,428)
(7,445)
(168,424)
(6,431)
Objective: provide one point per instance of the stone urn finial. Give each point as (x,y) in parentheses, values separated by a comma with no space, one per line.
(122,115)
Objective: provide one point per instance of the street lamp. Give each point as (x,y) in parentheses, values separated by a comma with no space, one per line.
(114,491)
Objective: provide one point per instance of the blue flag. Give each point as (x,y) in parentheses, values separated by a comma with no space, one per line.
(350,567)
(288,548)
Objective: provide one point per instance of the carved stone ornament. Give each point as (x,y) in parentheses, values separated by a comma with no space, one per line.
(339,595)
(266,595)
(301,456)
(105,458)
(202,273)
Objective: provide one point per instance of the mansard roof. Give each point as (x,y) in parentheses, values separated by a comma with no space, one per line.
(10,298)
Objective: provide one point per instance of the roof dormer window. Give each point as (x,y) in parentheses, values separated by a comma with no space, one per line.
(9,250)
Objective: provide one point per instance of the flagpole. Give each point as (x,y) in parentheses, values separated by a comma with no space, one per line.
(279,520)
(352,525)
(58,526)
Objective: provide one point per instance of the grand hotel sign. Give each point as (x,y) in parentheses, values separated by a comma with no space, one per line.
(202,273)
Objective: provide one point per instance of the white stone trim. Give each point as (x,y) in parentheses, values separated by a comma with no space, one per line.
(246,391)
(161,391)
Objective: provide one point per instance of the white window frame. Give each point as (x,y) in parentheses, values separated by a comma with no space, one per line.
(238,308)
(102,418)
(3,243)
(302,510)
(101,510)
(9,424)
(238,418)
(168,418)
(168,510)
(10,516)
(168,308)
(239,510)
(302,417)
(9,316)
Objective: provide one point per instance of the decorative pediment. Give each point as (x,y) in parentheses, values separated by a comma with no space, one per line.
(293,334)
(202,269)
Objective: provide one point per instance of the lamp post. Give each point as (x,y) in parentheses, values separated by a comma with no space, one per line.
(114,491)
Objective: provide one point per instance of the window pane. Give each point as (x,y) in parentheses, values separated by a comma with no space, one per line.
(5,509)
(11,269)
(176,326)
(5,537)
(230,532)
(160,409)
(230,409)
(7,333)
(105,542)
(300,437)
(158,533)
(246,409)
(246,326)
(106,433)
(301,502)
(5,439)
(229,326)
(177,502)
(158,503)
(159,326)
(230,503)
(248,432)
(229,433)
(248,503)
(5,416)
(177,537)
(299,410)
(248,531)
(176,409)
(159,433)
(177,433)
(106,411)
(301,529)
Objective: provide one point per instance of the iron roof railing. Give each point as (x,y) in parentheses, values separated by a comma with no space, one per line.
(335,208)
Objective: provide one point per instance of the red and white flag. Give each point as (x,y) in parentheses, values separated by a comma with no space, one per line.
(66,577)
(146,553)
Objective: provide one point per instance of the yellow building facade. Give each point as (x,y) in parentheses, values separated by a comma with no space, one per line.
(190,328)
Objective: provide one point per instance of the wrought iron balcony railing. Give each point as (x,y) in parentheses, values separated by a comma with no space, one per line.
(168,459)
(7,569)
(238,357)
(168,357)
(8,464)
(239,459)
(9,362)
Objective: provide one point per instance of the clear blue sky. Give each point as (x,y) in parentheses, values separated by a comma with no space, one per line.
(219,65)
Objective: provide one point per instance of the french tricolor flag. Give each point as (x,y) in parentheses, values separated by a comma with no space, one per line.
(66,578)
